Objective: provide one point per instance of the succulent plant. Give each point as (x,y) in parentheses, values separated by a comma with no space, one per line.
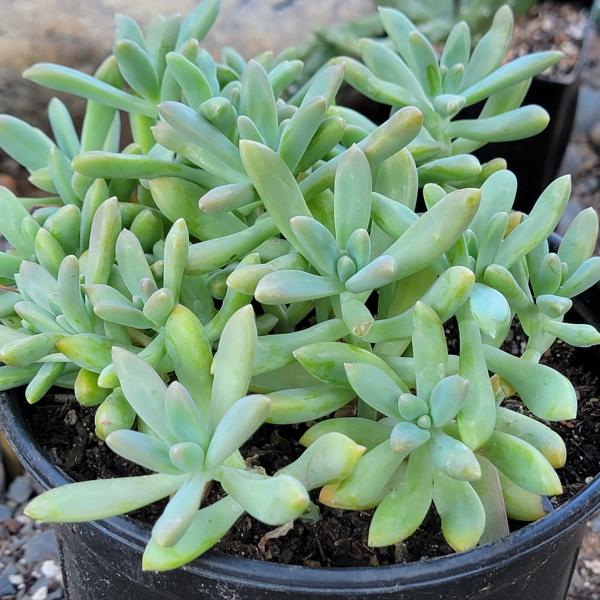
(420,451)
(191,442)
(255,258)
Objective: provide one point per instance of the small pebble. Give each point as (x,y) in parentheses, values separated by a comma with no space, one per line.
(41,547)
(49,569)
(20,489)
(40,594)
(6,587)
(13,525)
(5,512)
(593,566)
(16,579)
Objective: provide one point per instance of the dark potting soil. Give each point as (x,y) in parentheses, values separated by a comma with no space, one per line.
(339,539)
(552,25)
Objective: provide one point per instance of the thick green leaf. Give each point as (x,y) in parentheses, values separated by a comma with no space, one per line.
(461,511)
(27,350)
(581,336)
(44,379)
(327,361)
(190,78)
(283,287)
(183,416)
(492,313)
(217,252)
(517,124)
(363,488)
(92,500)
(70,81)
(397,178)
(191,354)
(178,199)
(489,490)
(225,198)
(273,180)
(272,500)
(28,145)
(179,512)
(142,449)
(206,529)
(13,214)
(447,398)
(319,245)
(137,69)
(299,405)
(538,225)
(522,463)
(403,510)
(489,52)
(87,350)
(137,166)
(106,226)
(364,432)
(144,390)
(579,240)
(233,363)
(520,504)
(257,101)
(453,457)
(299,131)
(515,71)
(352,195)
(431,235)
(540,436)
(330,459)
(192,126)
(374,387)
(235,427)
(429,349)
(275,351)
(548,394)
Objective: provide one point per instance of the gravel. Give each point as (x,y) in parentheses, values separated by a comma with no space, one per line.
(29,563)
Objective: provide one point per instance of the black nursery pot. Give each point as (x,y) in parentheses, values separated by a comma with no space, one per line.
(102,560)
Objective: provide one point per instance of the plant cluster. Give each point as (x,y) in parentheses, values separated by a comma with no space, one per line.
(255,257)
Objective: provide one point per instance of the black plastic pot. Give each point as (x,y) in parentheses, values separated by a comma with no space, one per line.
(102,560)
(535,161)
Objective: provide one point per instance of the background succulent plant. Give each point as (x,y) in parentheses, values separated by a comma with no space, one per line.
(256,256)
(404,69)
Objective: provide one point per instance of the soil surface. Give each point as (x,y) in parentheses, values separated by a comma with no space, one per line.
(552,25)
(339,538)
